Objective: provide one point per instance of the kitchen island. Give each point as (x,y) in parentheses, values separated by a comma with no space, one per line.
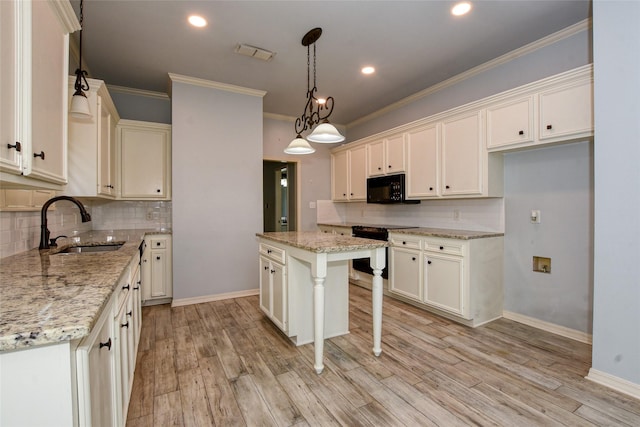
(297,267)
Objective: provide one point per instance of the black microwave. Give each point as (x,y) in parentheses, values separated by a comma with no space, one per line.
(387,189)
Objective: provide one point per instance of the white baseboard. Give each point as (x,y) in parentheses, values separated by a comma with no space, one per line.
(549,327)
(616,383)
(217,297)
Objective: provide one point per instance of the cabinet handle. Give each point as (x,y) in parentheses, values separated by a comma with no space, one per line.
(273,271)
(447,187)
(441,247)
(428,262)
(389,166)
(521,132)
(413,258)
(41,155)
(430,188)
(125,325)
(109,186)
(266,267)
(268,251)
(158,258)
(549,127)
(130,313)
(344,194)
(17,146)
(379,168)
(404,243)
(106,344)
(158,191)
(352,194)
(157,243)
(126,287)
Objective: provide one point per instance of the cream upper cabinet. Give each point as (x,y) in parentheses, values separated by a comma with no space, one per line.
(348,175)
(386,156)
(144,153)
(566,112)
(462,155)
(35,34)
(510,123)
(92,145)
(423,162)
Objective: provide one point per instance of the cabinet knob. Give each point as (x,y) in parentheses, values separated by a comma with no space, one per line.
(389,166)
(126,287)
(521,132)
(352,194)
(428,262)
(379,168)
(125,325)
(130,313)
(17,146)
(273,271)
(404,243)
(106,344)
(266,267)
(158,258)
(447,187)
(157,243)
(158,191)
(430,188)
(413,258)
(41,155)
(344,194)
(549,127)
(441,247)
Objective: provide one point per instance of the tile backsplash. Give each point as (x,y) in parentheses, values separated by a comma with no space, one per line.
(20,231)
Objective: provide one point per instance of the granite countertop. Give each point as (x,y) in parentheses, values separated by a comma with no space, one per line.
(48,297)
(448,233)
(319,242)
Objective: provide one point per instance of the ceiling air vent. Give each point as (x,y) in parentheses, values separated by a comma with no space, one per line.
(254,52)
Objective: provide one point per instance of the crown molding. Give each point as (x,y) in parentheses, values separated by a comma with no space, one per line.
(216,85)
(509,56)
(137,92)
(65,14)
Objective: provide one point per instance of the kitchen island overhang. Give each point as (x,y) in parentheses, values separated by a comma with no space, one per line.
(319,260)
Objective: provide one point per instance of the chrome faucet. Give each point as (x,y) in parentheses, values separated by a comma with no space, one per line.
(44,231)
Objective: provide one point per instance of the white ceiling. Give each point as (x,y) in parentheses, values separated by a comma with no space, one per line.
(412,44)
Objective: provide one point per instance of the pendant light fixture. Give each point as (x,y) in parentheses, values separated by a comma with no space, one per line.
(316,111)
(79,103)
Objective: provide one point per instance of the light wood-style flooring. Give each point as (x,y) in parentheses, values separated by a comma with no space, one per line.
(224,364)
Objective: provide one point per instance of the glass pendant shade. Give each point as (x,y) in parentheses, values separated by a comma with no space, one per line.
(80,106)
(325,133)
(299,146)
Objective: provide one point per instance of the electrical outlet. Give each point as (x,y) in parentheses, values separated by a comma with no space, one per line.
(535,217)
(149,215)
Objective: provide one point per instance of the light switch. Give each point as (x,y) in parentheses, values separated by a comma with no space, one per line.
(312,205)
(535,217)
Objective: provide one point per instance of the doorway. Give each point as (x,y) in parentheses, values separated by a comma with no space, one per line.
(279,195)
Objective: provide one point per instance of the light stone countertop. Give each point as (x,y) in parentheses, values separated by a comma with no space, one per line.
(319,242)
(447,233)
(46,297)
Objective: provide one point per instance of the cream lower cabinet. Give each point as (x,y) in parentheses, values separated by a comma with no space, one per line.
(144,158)
(157,270)
(273,285)
(457,278)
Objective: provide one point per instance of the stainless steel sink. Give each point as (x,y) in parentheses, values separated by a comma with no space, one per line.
(82,249)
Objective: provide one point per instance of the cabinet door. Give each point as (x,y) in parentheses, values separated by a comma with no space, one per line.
(358,173)
(144,161)
(395,154)
(49,66)
(9,89)
(123,332)
(340,176)
(567,111)
(106,151)
(265,285)
(443,282)
(279,295)
(159,288)
(405,273)
(375,158)
(510,123)
(462,149)
(423,166)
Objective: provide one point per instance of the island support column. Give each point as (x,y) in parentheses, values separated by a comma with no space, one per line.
(319,272)
(377,263)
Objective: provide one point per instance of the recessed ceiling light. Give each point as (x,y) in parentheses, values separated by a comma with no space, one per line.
(197,21)
(368,70)
(461,8)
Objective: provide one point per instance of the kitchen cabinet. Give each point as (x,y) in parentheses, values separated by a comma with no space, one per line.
(460,279)
(348,172)
(24,200)
(566,111)
(156,272)
(92,145)
(462,155)
(273,285)
(510,123)
(144,156)
(423,162)
(35,40)
(386,156)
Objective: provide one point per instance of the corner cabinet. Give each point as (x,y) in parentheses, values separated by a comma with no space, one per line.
(157,270)
(460,279)
(33,91)
(144,158)
(92,145)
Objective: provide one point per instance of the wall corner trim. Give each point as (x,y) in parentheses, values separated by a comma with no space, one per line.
(615,383)
(178,78)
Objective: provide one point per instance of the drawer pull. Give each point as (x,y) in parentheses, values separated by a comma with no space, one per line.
(125,325)
(157,243)
(40,154)
(266,267)
(130,313)
(549,127)
(441,248)
(106,344)
(521,132)
(126,288)
(17,146)
(273,271)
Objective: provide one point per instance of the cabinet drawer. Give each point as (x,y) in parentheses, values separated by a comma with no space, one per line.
(452,247)
(406,241)
(158,243)
(273,252)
